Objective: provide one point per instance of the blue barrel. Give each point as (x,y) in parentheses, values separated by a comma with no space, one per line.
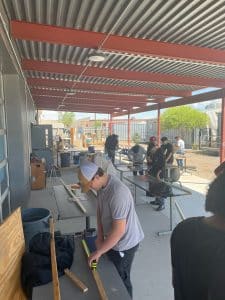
(91,149)
(76,159)
(65,159)
(34,220)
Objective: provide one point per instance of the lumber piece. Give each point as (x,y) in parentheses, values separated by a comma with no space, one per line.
(75,199)
(76,280)
(95,274)
(55,278)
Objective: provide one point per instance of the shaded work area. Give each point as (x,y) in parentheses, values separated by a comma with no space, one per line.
(151,272)
(115,57)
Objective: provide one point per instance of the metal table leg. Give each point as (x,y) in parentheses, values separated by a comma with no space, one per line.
(87,222)
(171,219)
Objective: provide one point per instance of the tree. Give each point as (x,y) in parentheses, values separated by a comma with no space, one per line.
(183,117)
(67,118)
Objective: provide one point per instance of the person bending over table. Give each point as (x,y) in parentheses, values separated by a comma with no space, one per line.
(119,229)
(198,250)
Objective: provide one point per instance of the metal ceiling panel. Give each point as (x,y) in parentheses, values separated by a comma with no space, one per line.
(76,55)
(191,22)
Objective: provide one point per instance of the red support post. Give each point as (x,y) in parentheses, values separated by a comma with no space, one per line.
(110,124)
(128,130)
(158,125)
(222,145)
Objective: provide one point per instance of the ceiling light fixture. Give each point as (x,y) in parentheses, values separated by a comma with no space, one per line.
(117,108)
(135,107)
(96,57)
(70,93)
(124,110)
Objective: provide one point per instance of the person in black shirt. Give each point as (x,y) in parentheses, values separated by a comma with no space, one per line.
(158,170)
(167,148)
(198,250)
(111,145)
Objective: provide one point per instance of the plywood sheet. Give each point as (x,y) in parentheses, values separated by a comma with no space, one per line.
(12,247)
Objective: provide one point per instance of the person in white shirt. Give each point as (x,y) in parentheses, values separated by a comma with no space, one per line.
(180,150)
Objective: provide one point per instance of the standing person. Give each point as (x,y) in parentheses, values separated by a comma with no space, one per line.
(111,145)
(180,146)
(198,250)
(152,147)
(167,148)
(137,155)
(158,170)
(119,230)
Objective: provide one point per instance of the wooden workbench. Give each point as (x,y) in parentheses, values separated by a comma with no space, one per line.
(112,282)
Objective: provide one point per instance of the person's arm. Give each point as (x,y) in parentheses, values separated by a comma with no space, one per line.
(100,236)
(116,233)
(168,157)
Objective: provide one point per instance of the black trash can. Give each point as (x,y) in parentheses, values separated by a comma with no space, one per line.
(91,149)
(65,159)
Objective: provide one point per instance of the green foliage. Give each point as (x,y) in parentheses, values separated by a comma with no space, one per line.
(136,138)
(67,118)
(183,117)
(98,124)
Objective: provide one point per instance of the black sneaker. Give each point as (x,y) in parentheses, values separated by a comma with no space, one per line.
(155,202)
(160,207)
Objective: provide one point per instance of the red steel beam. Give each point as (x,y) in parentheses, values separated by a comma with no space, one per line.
(88,101)
(106,88)
(87,39)
(78,108)
(182,101)
(85,102)
(104,97)
(72,69)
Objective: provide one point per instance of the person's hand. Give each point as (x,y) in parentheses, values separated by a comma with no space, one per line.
(94,256)
(75,186)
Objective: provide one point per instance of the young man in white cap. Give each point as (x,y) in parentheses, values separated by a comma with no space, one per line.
(119,230)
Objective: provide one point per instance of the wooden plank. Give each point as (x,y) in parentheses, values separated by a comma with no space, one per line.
(75,199)
(76,280)
(96,276)
(11,252)
(55,278)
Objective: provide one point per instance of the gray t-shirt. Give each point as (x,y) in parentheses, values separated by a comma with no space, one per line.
(115,202)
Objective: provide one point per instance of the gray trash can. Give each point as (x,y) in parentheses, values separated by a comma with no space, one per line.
(34,220)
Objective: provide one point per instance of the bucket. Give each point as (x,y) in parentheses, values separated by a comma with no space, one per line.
(65,159)
(34,220)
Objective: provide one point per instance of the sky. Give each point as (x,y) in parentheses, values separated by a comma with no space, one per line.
(53,115)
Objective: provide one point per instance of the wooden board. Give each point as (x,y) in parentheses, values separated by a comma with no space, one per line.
(11,252)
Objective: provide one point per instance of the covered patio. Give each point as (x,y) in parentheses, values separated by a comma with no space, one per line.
(117,57)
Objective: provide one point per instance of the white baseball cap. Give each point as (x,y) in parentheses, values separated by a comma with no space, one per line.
(86,173)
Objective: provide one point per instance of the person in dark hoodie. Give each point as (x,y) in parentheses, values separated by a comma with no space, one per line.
(198,250)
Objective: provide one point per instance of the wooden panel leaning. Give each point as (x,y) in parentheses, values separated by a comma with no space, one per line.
(11,251)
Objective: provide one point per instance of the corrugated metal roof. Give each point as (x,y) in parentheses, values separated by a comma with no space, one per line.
(182,22)
(192,22)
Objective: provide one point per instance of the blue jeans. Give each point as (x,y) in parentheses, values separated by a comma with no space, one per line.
(123,261)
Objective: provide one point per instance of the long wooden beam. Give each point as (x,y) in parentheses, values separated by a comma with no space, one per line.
(72,69)
(96,276)
(55,278)
(40,82)
(87,39)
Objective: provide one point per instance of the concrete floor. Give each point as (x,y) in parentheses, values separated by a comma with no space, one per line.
(151,271)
